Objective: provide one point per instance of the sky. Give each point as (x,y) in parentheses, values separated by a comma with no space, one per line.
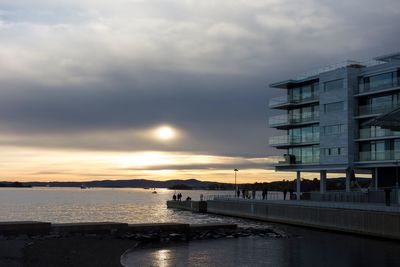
(85,85)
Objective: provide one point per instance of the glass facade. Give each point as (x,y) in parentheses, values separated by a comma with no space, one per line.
(304,114)
(305,154)
(376,131)
(378,104)
(304,134)
(380,150)
(380,81)
(304,93)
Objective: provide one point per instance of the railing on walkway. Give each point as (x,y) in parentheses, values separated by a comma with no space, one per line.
(271,195)
(320,204)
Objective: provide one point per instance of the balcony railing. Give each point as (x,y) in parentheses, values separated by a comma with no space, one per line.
(379,155)
(293,119)
(293,140)
(382,108)
(378,85)
(292,160)
(286,100)
(372,133)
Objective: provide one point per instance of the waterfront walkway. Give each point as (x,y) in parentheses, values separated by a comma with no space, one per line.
(320,204)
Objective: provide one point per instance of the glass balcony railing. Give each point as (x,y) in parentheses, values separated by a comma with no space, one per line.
(382,108)
(378,85)
(293,140)
(299,160)
(293,119)
(372,133)
(285,99)
(379,155)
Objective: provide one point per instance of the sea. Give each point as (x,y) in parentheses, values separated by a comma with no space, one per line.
(303,247)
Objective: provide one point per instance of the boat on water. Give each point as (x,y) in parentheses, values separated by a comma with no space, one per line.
(83,186)
(154,191)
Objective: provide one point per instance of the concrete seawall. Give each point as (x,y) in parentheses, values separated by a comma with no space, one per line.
(372,223)
(196,206)
(32,228)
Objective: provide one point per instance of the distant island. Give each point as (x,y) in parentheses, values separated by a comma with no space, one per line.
(14,184)
(307,184)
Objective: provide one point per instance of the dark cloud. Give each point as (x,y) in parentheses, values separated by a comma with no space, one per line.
(85,80)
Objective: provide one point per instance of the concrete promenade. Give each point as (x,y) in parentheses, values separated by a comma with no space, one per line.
(366,219)
(196,206)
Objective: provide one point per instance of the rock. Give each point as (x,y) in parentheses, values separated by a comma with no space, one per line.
(23,237)
(175,236)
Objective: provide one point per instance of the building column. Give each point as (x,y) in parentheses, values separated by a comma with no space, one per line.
(298,185)
(348,179)
(376,179)
(322,181)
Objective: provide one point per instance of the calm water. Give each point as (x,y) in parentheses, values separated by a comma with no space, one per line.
(99,204)
(307,248)
(312,248)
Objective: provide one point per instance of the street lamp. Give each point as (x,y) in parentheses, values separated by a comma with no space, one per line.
(236,189)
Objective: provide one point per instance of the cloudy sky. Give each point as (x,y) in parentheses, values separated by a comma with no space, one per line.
(85,84)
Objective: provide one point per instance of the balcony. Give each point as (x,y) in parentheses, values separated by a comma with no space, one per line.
(379,155)
(293,160)
(377,133)
(287,101)
(376,110)
(285,120)
(378,85)
(286,140)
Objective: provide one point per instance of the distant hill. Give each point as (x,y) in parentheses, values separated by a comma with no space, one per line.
(139,183)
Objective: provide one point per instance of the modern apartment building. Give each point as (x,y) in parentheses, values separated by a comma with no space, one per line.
(325,121)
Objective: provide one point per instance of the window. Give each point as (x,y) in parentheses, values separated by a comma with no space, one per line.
(305,154)
(335,151)
(304,93)
(335,85)
(384,80)
(336,106)
(333,129)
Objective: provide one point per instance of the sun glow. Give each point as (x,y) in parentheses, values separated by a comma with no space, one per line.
(165,133)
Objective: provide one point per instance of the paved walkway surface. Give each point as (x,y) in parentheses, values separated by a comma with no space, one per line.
(323,204)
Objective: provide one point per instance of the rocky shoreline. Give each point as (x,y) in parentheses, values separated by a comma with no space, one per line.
(105,249)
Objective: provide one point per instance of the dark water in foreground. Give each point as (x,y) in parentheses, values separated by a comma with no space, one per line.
(310,248)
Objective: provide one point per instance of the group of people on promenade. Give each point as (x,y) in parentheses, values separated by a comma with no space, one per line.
(245,194)
(178,197)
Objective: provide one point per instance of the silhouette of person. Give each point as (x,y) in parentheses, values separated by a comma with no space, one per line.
(284,193)
(174,197)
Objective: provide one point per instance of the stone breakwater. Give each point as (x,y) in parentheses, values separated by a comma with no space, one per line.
(102,244)
(163,232)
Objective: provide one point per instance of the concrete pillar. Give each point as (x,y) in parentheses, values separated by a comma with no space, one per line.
(322,181)
(298,185)
(348,179)
(376,178)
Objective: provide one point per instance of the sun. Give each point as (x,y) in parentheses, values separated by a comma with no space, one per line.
(165,133)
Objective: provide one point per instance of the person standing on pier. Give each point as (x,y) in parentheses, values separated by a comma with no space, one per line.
(238,193)
(284,193)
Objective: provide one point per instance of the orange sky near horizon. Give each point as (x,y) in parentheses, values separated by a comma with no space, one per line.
(34,164)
